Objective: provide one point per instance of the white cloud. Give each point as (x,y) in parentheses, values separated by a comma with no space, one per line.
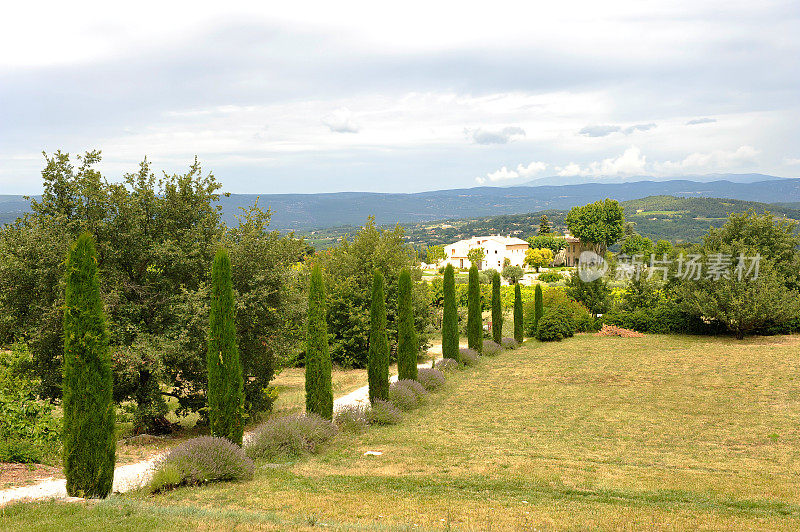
(710,161)
(532,169)
(638,127)
(503,136)
(598,131)
(792,160)
(631,162)
(504,173)
(341,121)
(697,121)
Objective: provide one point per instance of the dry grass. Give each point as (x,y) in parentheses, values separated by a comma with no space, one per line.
(657,432)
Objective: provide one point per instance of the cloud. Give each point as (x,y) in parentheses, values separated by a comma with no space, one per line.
(792,160)
(504,174)
(598,131)
(341,121)
(714,160)
(503,136)
(638,127)
(696,121)
(631,162)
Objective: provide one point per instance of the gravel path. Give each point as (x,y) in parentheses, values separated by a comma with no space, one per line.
(132,476)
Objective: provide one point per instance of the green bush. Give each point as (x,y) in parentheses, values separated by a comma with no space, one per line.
(556,297)
(550,277)
(555,325)
(19,452)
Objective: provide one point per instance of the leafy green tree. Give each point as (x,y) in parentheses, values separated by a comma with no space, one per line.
(407,343)
(474,314)
(378,367)
(497,310)
(544,225)
(319,384)
(538,306)
(519,335)
(513,274)
(225,384)
(595,294)
(435,254)
(636,244)
(476,256)
(549,241)
(538,258)
(450,339)
(599,223)
(89,438)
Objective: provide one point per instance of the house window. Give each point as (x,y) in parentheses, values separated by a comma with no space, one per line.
(495,251)
(498,263)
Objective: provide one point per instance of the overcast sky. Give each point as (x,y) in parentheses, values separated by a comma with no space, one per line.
(402,97)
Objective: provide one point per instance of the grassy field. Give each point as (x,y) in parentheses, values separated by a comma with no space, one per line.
(591,433)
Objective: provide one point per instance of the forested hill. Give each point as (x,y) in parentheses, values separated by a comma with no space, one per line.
(313,211)
(671,218)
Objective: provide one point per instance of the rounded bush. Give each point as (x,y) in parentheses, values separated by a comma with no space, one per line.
(491,348)
(384,413)
(509,343)
(469,357)
(446,364)
(290,436)
(430,378)
(416,387)
(555,325)
(201,460)
(550,277)
(352,418)
(403,397)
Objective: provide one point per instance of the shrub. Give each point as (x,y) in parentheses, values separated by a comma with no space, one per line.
(89,439)
(352,418)
(19,451)
(225,382)
(404,396)
(319,387)
(378,361)
(550,277)
(446,364)
(474,319)
(491,348)
(201,460)
(469,357)
(384,413)
(430,378)
(555,325)
(290,436)
(509,343)
(553,298)
(407,342)
(450,339)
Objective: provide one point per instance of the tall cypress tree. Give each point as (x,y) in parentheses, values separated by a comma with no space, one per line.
(474,314)
(407,342)
(225,384)
(319,384)
(89,440)
(497,309)
(519,336)
(378,363)
(538,306)
(450,335)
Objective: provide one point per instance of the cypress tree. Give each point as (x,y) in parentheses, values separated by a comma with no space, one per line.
(378,363)
(319,385)
(407,342)
(497,309)
(518,333)
(538,306)
(450,335)
(474,314)
(225,384)
(89,440)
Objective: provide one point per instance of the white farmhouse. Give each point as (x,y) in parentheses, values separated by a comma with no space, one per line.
(496,249)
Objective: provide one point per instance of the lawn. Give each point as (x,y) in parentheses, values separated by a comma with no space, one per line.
(668,432)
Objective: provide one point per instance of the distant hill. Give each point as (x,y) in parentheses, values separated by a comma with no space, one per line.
(316,211)
(698,178)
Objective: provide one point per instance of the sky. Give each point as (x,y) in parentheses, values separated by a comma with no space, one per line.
(300,97)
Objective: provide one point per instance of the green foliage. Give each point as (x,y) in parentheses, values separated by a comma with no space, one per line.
(486,276)
(319,383)
(290,436)
(557,298)
(599,223)
(450,334)
(225,384)
(548,241)
(476,256)
(555,325)
(378,365)
(550,277)
(594,294)
(519,334)
(407,343)
(544,225)
(538,257)
(497,310)
(474,319)
(636,244)
(435,254)
(513,274)
(89,413)
(538,309)
(348,270)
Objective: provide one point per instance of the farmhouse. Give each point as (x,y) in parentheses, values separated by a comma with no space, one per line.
(496,250)
(570,255)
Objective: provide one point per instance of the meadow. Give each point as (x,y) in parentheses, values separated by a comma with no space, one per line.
(668,432)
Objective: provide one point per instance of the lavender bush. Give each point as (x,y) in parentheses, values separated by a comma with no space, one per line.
(446,364)
(403,397)
(289,436)
(384,413)
(200,460)
(509,343)
(469,357)
(352,418)
(430,378)
(491,348)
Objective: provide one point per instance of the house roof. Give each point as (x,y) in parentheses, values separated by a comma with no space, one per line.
(504,240)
